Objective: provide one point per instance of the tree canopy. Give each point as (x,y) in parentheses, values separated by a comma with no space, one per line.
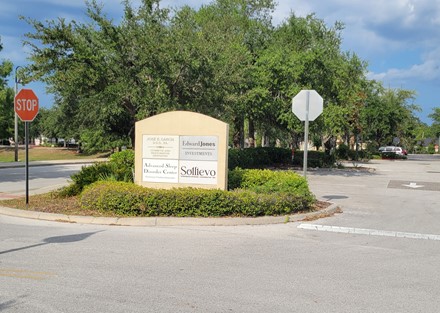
(6,100)
(226,60)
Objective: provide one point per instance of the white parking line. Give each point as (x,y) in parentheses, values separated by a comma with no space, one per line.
(370,232)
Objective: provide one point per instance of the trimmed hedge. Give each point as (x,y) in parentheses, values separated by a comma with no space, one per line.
(121,165)
(128,199)
(258,157)
(267,181)
(262,157)
(314,159)
(343,152)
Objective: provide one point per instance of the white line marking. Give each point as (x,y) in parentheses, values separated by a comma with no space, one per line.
(369,232)
(413,185)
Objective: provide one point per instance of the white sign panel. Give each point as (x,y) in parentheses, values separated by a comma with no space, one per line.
(307,102)
(160,171)
(199,148)
(160,147)
(196,172)
(180,159)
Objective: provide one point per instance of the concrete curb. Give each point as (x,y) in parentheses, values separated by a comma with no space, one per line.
(170,221)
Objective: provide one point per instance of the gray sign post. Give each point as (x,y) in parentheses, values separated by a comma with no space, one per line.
(26,107)
(307,105)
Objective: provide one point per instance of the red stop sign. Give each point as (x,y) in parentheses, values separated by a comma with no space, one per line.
(26,105)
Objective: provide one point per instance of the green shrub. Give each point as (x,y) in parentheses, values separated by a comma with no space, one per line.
(122,165)
(119,168)
(358,155)
(67,191)
(235,178)
(128,199)
(267,181)
(90,174)
(314,159)
(258,157)
(342,152)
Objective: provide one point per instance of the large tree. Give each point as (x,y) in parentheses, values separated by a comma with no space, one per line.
(435,116)
(104,76)
(225,59)
(6,100)
(388,114)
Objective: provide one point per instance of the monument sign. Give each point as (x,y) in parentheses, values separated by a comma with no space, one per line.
(181,149)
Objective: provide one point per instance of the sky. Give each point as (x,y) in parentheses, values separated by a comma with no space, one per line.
(399,39)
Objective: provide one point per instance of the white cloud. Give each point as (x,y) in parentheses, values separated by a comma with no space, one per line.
(13,55)
(400,22)
(428,70)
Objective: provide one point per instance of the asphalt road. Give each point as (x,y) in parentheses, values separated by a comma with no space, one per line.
(401,196)
(59,267)
(41,179)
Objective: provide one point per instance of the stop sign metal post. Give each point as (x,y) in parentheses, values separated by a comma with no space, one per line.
(307,105)
(26,106)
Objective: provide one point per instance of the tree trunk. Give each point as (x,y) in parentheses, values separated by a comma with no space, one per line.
(238,137)
(251,134)
(264,140)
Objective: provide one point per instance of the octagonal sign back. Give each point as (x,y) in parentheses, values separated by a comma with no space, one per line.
(299,104)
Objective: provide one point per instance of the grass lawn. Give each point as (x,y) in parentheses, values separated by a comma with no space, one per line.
(46,154)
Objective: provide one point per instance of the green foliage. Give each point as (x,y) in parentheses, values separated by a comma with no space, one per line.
(122,164)
(235,178)
(389,113)
(6,112)
(6,100)
(90,174)
(225,59)
(119,168)
(258,157)
(342,152)
(267,181)
(128,199)
(359,155)
(430,149)
(314,159)
(435,116)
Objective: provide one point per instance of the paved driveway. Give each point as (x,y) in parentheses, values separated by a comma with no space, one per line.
(400,196)
(62,267)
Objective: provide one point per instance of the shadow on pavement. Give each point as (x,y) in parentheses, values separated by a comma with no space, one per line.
(346,172)
(56,239)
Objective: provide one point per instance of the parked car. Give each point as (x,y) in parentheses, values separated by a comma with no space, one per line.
(396,150)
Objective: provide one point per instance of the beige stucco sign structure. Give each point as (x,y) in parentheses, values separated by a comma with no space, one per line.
(181,149)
